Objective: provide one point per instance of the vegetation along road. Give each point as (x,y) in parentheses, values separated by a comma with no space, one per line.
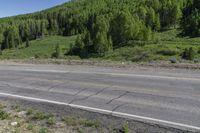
(165,97)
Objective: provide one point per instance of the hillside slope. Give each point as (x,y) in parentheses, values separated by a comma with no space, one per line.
(104,27)
(40,48)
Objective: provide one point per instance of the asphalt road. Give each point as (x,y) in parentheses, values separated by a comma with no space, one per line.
(169,97)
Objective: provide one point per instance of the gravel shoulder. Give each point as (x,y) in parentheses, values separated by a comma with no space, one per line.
(101,63)
(36,117)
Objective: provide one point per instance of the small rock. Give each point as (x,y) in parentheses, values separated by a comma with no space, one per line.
(22,114)
(60,125)
(14,123)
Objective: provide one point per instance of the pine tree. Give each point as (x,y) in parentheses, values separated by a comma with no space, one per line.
(102,44)
(27,42)
(124,28)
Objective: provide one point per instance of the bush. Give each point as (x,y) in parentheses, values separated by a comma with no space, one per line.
(78,49)
(198,51)
(167,52)
(173,60)
(37,56)
(51,121)
(57,53)
(43,130)
(41,116)
(3,115)
(74,121)
(125,128)
(196,60)
(188,54)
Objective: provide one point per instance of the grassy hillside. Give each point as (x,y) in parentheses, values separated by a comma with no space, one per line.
(40,48)
(123,30)
(167,46)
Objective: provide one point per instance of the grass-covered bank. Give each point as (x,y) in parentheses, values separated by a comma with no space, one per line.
(40,48)
(167,47)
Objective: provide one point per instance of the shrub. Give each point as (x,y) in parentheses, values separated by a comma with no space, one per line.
(37,56)
(125,128)
(196,60)
(188,54)
(3,115)
(29,127)
(173,60)
(167,52)
(57,53)
(41,116)
(43,130)
(74,121)
(198,51)
(51,121)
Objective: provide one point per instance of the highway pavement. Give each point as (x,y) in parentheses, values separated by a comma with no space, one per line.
(170,97)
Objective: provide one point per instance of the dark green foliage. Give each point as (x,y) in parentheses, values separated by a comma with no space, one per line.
(57,53)
(40,116)
(167,52)
(74,121)
(78,48)
(124,28)
(188,54)
(173,60)
(198,51)
(190,22)
(27,42)
(125,128)
(97,39)
(43,130)
(3,115)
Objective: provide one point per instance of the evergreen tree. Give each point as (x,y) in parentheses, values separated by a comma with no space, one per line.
(27,42)
(188,54)
(124,28)
(190,22)
(102,42)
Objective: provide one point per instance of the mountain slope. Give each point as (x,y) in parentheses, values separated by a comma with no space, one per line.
(101,26)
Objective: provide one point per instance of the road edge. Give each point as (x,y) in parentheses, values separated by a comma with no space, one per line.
(106,118)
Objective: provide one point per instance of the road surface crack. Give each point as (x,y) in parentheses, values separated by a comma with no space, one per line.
(84,98)
(53,86)
(113,110)
(79,91)
(117,97)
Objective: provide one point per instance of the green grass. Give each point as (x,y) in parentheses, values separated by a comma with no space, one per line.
(166,46)
(41,116)
(74,121)
(3,115)
(40,48)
